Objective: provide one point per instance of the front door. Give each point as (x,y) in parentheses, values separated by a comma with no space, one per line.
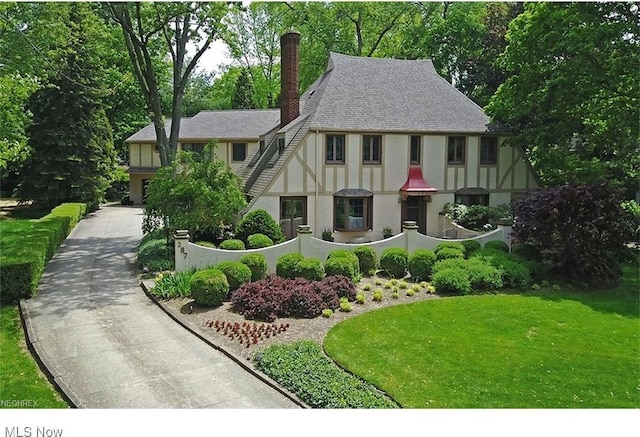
(293,212)
(414,208)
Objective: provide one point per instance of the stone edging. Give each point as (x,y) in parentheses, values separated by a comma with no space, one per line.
(238,360)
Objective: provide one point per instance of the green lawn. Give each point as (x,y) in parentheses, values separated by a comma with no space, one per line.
(20,378)
(548,350)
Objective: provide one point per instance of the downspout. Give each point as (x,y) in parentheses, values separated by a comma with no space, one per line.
(315,216)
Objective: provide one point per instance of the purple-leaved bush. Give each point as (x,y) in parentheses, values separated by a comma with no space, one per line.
(578,229)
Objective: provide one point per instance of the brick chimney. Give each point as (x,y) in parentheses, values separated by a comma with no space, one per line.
(289,77)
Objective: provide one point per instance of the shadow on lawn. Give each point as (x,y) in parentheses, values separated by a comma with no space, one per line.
(623,299)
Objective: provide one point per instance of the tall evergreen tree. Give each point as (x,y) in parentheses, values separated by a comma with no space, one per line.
(243,95)
(72,157)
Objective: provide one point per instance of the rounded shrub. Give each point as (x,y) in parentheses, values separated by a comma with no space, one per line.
(311,269)
(452,281)
(258,241)
(367,258)
(257,263)
(209,287)
(497,245)
(470,247)
(449,245)
(421,263)
(342,265)
(394,261)
(526,251)
(236,272)
(483,276)
(448,253)
(348,257)
(259,221)
(232,244)
(286,266)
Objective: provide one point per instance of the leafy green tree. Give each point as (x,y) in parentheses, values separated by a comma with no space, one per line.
(72,155)
(572,98)
(170,29)
(14,92)
(243,95)
(194,194)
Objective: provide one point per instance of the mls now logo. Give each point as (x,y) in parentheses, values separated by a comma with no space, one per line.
(27,431)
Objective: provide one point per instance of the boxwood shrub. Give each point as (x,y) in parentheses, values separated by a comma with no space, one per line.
(232,244)
(258,241)
(259,221)
(209,287)
(367,259)
(497,245)
(342,266)
(452,281)
(286,265)
(236,272)
(421,263)
(311,269)
(394,261)
(470,247)
(304,369)
(257,263)
(449,252)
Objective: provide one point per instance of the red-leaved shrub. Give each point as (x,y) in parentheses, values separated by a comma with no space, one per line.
(275,297)
(342,285)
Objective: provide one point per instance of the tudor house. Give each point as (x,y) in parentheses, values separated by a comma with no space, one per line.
(372,143)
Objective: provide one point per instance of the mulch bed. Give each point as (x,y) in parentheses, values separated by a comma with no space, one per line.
(203,321)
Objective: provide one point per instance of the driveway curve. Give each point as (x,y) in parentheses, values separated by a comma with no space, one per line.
(108,346)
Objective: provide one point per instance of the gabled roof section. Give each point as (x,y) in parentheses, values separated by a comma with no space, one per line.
(389,95)
(222,124)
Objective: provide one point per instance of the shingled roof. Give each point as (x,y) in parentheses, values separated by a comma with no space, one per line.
(220,125)
(388,95)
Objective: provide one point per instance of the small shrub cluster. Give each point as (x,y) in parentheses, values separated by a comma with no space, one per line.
(172,285)
(449,252)
(275,297)
(486,270)
(394,261)
(296,367)
(232,244)
(209,287)
(258,241)
(247,334)
(470,247)
(259,221)
(257,263)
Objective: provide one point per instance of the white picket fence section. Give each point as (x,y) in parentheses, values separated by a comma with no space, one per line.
(192,256)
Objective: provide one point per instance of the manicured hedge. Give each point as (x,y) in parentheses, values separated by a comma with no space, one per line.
(257,263)
(420,264)
(258,241)
(367,258)
(233,244)
(286,266)
(305,370)
(394,261)
(311,269)
(28,244)
(236,272)
(209,287)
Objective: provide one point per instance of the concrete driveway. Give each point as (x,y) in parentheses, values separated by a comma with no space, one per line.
(109,346)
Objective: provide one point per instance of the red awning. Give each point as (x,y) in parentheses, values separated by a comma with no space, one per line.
(416,185)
